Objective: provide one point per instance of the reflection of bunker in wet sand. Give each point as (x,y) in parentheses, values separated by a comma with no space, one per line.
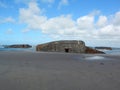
(94,58)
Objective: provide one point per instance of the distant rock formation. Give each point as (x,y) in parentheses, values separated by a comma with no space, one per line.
(18,46)
(92,51)
(107,48)
(68,46)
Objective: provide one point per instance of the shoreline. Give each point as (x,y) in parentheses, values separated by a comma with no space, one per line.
(33,51)
(59,71)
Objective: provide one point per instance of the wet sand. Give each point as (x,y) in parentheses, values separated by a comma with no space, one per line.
(58,71)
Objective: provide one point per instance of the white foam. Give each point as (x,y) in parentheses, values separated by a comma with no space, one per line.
(94,57)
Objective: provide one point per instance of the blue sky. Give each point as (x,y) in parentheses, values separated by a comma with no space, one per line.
(97,22)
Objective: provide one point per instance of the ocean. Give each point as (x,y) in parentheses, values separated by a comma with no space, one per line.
(113,51)
(33,49)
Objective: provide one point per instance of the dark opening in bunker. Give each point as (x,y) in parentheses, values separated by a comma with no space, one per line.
(66,50)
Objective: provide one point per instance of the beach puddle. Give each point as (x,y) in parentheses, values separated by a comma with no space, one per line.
(95,58)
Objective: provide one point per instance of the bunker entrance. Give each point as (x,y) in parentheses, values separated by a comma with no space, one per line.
(67,50)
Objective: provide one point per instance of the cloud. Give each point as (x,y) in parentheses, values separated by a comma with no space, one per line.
(111,27)
(58,25)
(63,3)
(86,27)
(32,16)
(86,22)
(102,21)
(3,5)
(116,19)
(7,20)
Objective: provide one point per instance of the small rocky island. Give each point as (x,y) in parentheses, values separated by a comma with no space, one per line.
(106,48)
(18,46)
(68,46)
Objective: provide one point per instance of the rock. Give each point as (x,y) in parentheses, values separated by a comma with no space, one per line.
(101,63)
(68,46)
(107,48)
(71,46)
(18,46)
(93,51)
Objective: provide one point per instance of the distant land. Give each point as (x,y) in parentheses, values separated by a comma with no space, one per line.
(107,48)
(18,46)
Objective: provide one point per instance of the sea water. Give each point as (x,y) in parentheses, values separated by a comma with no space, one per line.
(113,51)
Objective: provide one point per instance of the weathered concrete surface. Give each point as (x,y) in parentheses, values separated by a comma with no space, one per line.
(58,71)
(71,46)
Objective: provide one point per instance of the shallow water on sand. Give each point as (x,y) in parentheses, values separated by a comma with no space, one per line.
(94,58)
(17,49)
(113,51)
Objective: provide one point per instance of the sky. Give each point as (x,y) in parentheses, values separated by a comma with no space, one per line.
(96,22)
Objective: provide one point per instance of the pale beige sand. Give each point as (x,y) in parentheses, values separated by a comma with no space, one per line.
(58,71)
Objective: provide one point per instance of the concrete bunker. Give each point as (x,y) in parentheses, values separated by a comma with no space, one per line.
(68,46)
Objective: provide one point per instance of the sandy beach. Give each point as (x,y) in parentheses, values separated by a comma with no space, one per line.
(59,71)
